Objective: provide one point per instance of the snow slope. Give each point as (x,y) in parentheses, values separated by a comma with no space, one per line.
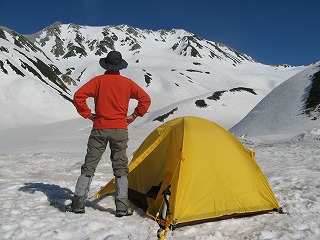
(281,112)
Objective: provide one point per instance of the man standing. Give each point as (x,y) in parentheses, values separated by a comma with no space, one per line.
(111,93)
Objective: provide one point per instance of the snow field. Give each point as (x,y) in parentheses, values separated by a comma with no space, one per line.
(35,186)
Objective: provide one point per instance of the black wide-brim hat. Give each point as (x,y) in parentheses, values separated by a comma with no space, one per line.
(113,61)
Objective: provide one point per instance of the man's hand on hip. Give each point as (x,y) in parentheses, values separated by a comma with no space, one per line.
(131,118)
(93,117)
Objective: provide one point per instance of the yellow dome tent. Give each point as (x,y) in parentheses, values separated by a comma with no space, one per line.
(211,174)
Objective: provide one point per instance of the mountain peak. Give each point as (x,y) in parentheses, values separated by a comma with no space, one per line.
(71,40)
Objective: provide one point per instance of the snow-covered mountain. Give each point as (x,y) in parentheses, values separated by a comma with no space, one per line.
(183,73)
(39,164)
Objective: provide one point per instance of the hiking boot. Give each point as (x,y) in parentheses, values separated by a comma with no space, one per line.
(121,213)
(122,207)
(69,208)
(77,205)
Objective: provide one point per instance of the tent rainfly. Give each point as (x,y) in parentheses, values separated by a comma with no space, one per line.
(211,174)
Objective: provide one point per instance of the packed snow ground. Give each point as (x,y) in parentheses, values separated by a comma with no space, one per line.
(39,167)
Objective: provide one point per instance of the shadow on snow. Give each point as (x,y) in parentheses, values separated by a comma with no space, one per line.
(57,196)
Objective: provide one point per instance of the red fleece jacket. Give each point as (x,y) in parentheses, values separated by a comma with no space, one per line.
(111,93)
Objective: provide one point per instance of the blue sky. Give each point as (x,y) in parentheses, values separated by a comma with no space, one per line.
(272,32)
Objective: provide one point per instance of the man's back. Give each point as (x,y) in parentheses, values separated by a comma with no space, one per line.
(112,93)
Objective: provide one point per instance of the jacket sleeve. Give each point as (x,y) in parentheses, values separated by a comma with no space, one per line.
(143,99)
(80,98)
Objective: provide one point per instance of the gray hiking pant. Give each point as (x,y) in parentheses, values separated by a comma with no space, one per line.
(97,143)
